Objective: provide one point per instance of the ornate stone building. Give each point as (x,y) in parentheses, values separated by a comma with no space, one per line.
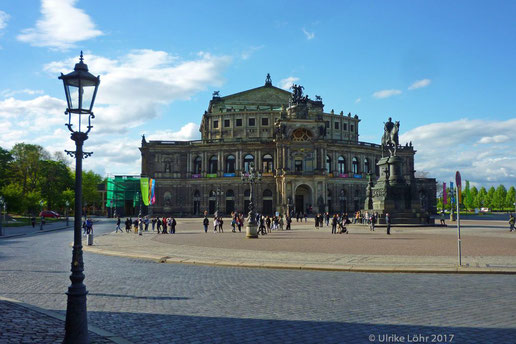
(309,158)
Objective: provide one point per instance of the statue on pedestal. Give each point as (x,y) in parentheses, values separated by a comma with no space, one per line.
(390,139)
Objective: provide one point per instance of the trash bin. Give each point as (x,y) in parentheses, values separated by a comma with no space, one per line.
(90,239)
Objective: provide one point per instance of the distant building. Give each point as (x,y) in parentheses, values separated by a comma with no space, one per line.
(311,160)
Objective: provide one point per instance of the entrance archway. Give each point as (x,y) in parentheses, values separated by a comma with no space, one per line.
(303,198)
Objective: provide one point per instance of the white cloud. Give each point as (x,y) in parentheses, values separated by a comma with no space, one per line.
(246,54)
(9,93)
(473,147)
(309,35)
(60,27)
(358,100)
(4,17)
(190,131)
(420,84)
(386,93)
(287,82)
(135,87)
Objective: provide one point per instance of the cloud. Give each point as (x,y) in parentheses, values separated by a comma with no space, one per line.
(189,131)
(309,35)
(287,82)
(473,147)
(135,88)
(9,93)
(420,84)
(246,54)
(386,93)
(60,27)
(358,100)
(4,17)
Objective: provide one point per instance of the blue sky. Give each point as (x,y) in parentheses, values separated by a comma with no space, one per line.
(445,70)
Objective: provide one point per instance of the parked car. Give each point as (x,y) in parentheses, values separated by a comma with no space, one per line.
(49,213)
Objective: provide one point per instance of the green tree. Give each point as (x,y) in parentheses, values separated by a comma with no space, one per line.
(490,197)
(90,194)
(474,197)
(26,167)
(5,160)
(510,199)
(55,178)
(499,197)
(482,198)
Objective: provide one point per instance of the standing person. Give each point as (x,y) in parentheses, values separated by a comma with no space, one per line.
(334,224)
(140,226)
(221,222)
(373,220)
(240,221)
(153,223)
(128,225)
(317,221)
(297,217)
(118,221)
(268,224)
(146,222)
(135,226)
(306,217)
(173,224)
(233,224)
(215,224)
(511,223)
(327,219)
(33,221)
(388,222)
(281,223)
(164,223)
(289,221)
(158,224)
(205,223)
(443,223)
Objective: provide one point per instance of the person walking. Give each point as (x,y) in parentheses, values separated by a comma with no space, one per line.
(128,225)
(118,221)
(146,222)
(511,223)
(173,224)
(153,223)
(215,224)
(233,224)
(158,225)
(289,221)
(221,222)
(443,223)
(372,222)
(164,223)
(140,226)
(205,223)
(240,222)
(388,222)
(334,224)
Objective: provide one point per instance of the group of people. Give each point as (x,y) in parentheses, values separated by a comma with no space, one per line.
(163,225)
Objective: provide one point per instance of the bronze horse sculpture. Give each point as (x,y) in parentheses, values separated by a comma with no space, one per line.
(390,138)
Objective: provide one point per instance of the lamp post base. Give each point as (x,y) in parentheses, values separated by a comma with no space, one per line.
(251,231)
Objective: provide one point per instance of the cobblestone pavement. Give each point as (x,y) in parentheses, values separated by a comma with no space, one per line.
(147,302)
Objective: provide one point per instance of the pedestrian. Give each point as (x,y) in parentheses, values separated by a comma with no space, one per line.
(146,222)
(268,224)
(153,223)
(173,224)
(443,223)
(221,222)
(388,222)
(233,224)
(128,225)
(135,226)
(511,223)
(289,221)
(306,217)
(205,223)
(118,221)
(372,222)
(89,226)
(334,224)
(281,223)
(164,223)
(327,215)
(140,226)
(317,221)
(240,221)
(33,221)
(297,217)
(158,225)
(215,224)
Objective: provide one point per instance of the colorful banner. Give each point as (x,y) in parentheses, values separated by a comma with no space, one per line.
(144,186)
(152,194)
(445,195)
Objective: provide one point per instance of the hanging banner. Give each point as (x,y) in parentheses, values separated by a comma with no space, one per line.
(445,196)
(458,180)
(152,195)
(144,186)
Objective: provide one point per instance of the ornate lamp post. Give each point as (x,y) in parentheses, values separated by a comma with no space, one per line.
(218,193)
(2,205)
(80,89)
(66,212)
(251,178)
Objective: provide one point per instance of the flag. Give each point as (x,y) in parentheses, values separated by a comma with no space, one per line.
(144,186)
(152,195)
(445,196)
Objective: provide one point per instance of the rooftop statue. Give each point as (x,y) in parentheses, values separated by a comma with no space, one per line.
(390,139)
(297,94)
(268,80)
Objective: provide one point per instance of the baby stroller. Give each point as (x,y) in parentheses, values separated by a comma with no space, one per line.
(342,228)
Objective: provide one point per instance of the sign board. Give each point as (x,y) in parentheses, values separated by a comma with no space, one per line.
(459,185)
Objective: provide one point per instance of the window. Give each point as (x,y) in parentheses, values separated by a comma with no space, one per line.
(351,128)
(345,126)
(366,165)
(213,165)
(267,163)
(265,121)
(302,134)
(248,160)
(230,164)
(230,193)
(355,165)
(298,165)
(267,193)
(197,165)
(328,164)
(239,122)
(226,123)
(215,124)
(336,125)
(327,124)
(342,164)
(251,122)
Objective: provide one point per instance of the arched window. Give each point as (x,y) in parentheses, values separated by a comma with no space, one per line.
(248,160)
(355,165)
(213,165)
(342,164)
(230,164)
(267,193)
(302,134)
(197,165)
(366,165)
(230,193)
(328,164)
(267,163)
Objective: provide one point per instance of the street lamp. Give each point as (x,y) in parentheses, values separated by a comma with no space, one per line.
(251,178)
(2,205)
(139,204)
(218,193)
(66,212)
(40,210)
(80,89)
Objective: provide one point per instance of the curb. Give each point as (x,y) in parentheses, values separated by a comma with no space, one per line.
(103,333)
(318,267)
(34,233)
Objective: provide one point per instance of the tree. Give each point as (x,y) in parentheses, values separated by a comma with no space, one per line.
(510,199)
(55,178)
(5,160)
(499,197)
(482,198)
(490,197)
(474,197)
(90,193)
(26,167)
